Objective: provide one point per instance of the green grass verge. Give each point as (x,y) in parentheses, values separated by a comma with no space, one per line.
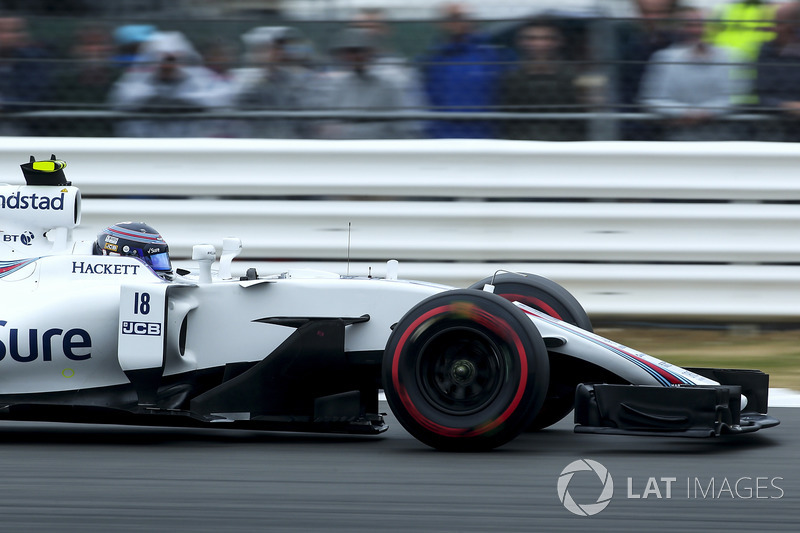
(775,352)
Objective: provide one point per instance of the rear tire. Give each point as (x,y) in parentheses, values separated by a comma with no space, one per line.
(465,371)
(540,293)
(554,300)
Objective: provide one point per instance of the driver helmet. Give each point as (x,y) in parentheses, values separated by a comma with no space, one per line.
(136,239)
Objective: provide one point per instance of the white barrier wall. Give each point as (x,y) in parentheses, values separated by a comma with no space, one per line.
(462,168)
(636,230)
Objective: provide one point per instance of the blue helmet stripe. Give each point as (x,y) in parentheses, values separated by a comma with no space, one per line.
(146,238)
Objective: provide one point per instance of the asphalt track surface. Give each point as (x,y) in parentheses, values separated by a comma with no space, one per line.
(58,477)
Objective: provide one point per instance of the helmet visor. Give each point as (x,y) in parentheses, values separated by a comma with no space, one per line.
(159,261)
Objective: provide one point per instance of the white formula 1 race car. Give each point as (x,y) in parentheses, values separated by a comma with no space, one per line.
(105,339)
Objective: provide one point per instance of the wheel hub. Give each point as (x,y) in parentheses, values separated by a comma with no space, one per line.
(459,371)
(463,372)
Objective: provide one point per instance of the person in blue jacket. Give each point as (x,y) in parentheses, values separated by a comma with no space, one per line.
(461,74)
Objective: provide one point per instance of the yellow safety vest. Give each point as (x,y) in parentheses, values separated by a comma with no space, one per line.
(743,27)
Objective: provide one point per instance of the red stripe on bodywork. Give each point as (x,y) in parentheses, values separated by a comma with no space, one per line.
(666,374)
(10,268)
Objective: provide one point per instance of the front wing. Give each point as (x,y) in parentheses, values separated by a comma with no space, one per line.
(680,411)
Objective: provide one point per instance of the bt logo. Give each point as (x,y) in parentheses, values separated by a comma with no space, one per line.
(25,238)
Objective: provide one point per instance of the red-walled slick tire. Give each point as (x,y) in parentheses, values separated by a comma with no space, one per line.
(540,293)
(465,370)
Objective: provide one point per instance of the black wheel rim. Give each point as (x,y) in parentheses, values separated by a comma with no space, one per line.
(460,371)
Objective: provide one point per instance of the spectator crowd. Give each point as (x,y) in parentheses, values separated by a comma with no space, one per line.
(674,72)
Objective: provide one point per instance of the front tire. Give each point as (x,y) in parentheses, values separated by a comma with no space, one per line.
(465,371)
